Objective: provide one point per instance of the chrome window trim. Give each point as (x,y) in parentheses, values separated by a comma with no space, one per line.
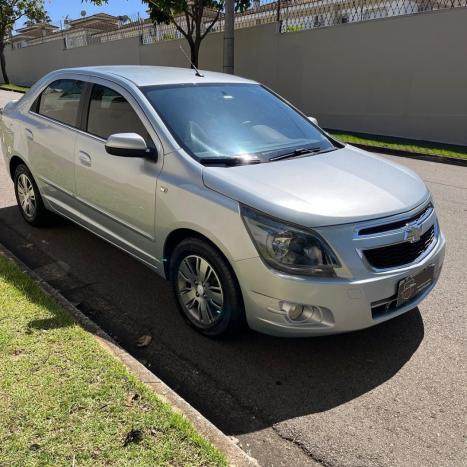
(91,79)
(79,131)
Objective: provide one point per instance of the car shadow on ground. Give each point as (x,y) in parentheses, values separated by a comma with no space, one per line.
(242,384)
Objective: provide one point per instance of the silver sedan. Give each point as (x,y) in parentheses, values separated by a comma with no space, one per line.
(255,214)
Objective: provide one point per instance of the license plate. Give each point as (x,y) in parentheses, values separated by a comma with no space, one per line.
(411,286)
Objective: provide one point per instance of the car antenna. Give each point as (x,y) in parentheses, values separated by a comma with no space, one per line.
(191,63)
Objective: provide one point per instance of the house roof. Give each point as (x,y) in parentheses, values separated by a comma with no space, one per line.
(20,37)
(37,27)
(102,17)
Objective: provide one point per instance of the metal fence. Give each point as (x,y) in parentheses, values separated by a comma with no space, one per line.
(291,16)
(261,12)
(100,31)
(298,15)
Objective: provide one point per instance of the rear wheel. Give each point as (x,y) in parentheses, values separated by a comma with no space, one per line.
(28,197)
(205,288)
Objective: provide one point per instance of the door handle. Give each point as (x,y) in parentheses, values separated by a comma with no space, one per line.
(29,134)
(85,158)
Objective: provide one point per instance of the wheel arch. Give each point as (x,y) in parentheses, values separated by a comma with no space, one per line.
(180,234)
(14,162)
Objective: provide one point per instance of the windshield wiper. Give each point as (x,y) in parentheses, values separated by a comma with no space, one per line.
(228,161)
(302,152)
(296,153)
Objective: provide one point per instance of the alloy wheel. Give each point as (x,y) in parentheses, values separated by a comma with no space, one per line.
(26,195)
(200,291)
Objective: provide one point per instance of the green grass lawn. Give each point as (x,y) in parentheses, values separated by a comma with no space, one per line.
(388,142)
(64,400)
(13,87)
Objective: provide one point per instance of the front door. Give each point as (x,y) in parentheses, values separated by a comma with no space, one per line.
(117,195)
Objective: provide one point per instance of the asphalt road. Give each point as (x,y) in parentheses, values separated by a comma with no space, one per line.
(393,395)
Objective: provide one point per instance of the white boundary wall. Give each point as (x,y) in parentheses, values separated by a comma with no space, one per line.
(401,76)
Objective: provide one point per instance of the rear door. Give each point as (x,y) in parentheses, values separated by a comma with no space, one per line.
(50,132)
(117,195)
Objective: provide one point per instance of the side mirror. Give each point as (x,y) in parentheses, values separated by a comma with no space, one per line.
(128,145)
(313,120)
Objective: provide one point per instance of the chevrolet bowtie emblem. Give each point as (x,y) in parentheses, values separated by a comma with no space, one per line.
(413,232)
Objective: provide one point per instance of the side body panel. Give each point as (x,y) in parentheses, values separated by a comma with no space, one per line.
(51,160)
(117,195)
(183,202)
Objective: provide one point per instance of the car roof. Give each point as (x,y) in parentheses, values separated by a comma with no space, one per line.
(158,75)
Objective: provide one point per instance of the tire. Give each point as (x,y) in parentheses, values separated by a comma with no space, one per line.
(29,199)
(213,305)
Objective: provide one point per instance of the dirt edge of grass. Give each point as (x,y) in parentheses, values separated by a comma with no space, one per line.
(402,146)
(14,88)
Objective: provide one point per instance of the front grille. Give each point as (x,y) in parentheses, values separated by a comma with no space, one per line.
(394,256)
(395,225)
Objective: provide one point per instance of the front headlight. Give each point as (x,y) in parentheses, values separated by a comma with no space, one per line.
(289,248)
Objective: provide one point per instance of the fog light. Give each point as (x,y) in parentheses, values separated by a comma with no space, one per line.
(299,313)
(294,310)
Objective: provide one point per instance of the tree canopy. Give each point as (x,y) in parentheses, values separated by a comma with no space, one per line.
(190,17)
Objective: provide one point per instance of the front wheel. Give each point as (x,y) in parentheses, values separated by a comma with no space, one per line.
(205,288)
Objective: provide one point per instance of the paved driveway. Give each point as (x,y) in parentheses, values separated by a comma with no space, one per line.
(391,395)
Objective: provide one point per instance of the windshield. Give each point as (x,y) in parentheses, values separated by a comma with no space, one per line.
(213,121)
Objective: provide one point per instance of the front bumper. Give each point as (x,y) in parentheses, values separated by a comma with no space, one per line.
(345,304)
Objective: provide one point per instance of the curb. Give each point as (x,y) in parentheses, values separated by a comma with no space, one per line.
(234,454)
(412,155)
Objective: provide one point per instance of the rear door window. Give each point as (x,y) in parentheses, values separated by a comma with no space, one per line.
(111,113)
(60,101)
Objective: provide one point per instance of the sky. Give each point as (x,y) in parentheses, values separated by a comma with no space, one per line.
(58,9)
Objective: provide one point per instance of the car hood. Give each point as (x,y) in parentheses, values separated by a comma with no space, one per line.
(344,186)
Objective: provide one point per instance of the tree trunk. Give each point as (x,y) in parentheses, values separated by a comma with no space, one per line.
(3,64)
(196,41)
(194,51)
